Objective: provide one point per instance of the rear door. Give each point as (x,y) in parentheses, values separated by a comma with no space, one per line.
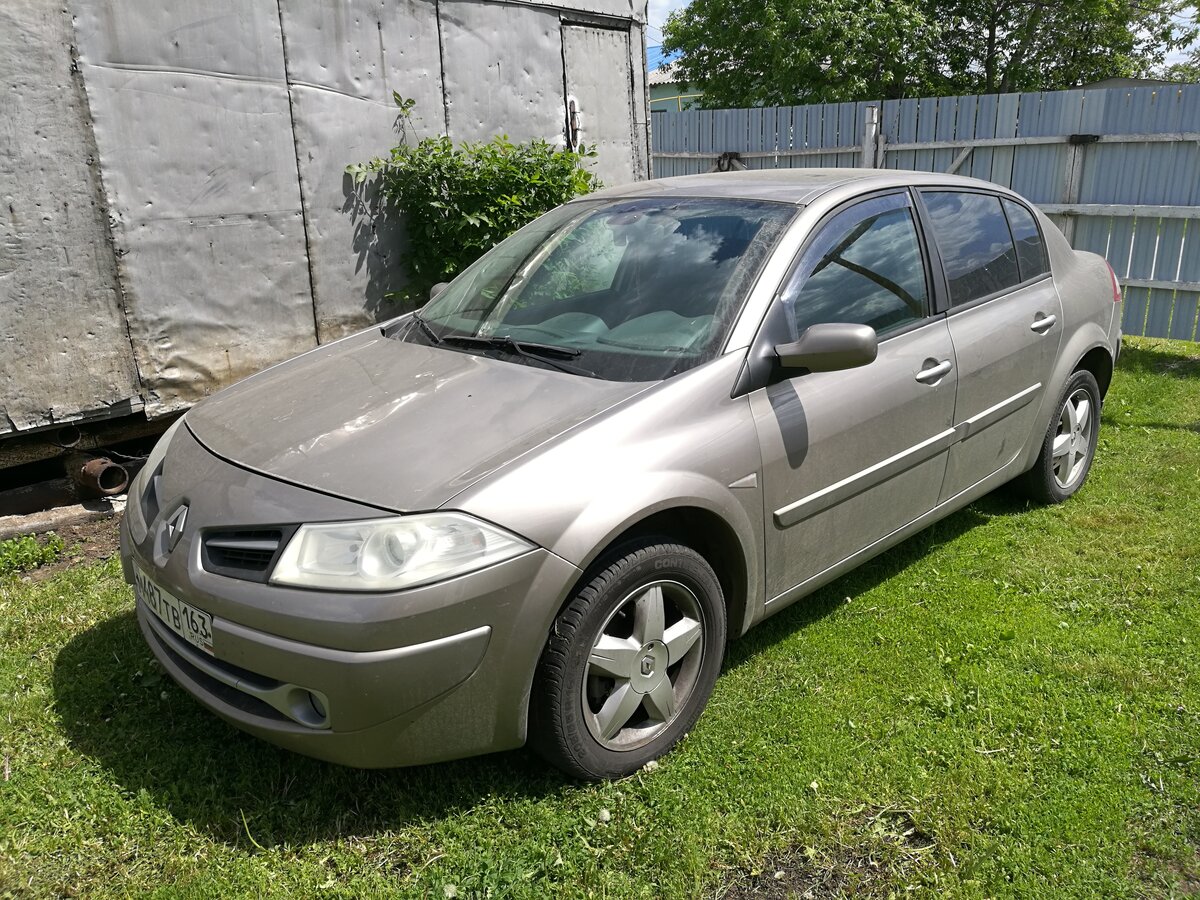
(849,457)
(1005,320)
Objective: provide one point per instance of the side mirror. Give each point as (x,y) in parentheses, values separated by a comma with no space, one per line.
(438,288)
(830,347)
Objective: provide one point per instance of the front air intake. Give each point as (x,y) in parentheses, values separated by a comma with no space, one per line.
(247,554)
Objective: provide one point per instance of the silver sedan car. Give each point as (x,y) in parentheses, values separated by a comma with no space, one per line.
(537,509)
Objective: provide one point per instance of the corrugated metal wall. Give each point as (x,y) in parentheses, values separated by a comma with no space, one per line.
(1133,195)
(178,212)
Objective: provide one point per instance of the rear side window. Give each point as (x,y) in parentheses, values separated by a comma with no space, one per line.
(864,267)
(976,246)
(1031,252)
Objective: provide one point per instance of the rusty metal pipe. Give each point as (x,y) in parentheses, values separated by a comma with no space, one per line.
(69,436)
(103,476)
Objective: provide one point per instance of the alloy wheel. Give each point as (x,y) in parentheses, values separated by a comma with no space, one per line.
(1073,441)
(643,665)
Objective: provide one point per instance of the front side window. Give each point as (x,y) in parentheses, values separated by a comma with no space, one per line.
(865,267)
(625,290)
(1031,252)
(976,246)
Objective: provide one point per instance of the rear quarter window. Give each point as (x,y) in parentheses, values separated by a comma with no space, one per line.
(975,243)
(1031,252)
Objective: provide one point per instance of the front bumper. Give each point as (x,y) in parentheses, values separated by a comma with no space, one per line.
(370,680)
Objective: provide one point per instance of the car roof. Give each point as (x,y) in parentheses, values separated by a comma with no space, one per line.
(798,186)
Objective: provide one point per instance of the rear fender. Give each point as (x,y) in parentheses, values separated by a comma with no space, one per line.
(1085,338)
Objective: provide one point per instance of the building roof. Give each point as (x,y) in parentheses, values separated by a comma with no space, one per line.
(667,74)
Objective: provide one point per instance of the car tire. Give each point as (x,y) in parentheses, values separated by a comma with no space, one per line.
(1070,443)
(630,662)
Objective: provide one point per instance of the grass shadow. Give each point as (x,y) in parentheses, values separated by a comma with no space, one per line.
(1159,361)
(118,708)
(871,574)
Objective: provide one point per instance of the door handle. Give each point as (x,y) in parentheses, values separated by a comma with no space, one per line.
(933,373)
(1042,324)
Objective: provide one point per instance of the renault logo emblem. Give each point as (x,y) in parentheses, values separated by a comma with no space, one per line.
(648,665)
(175,527)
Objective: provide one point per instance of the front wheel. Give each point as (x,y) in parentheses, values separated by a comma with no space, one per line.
(629,664)
(1070,443)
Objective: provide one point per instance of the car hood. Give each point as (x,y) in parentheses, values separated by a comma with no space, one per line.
(397,425)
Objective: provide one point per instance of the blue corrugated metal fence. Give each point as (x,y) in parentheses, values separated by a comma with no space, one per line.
(1118,169)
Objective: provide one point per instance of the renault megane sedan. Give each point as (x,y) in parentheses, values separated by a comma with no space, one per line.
(538,508)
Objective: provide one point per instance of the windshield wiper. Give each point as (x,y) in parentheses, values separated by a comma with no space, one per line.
(550,354)
(424,326)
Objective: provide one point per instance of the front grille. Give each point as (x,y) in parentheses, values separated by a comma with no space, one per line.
(247,553)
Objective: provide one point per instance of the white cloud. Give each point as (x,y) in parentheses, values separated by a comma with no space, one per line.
(658,11)
(1187,16)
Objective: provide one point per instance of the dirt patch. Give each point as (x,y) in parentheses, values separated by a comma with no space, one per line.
(876,849)
(85,543)
(1169,876)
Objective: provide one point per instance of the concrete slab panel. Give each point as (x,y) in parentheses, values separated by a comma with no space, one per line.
(343,63)
(201,159)
(221,37)
(503,71)
(606,108)
(64,352)
(231,296)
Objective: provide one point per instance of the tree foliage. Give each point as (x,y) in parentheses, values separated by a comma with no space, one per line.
(777,52)
(458,202)
(1000,46)
(1187,69)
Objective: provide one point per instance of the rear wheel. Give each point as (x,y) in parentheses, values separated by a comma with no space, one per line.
(630,663)
(1070,443)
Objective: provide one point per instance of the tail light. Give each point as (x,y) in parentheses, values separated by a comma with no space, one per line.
(1116,285)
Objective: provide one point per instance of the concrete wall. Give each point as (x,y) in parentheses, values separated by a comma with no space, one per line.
(64,350)
(176,197)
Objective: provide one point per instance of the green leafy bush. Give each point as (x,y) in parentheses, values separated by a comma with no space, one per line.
(22,553)
(458,202)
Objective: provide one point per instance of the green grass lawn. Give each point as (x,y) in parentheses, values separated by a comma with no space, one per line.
(1006,705)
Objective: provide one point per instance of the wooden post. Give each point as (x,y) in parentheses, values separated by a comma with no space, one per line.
(1073,177)
(870,142)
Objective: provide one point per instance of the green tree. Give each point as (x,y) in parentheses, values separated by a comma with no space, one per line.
(798,51)
(457,202)
(1189,68)
(1001,46)
(778,52)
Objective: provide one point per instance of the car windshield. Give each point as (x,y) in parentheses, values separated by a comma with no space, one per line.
(624,290)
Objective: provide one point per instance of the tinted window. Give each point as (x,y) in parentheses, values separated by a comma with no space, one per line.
(1031,252)
(976,246)
(864,267)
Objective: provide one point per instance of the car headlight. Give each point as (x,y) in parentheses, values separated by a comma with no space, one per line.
(394,553)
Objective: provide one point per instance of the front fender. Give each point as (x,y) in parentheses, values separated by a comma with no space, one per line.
(680,445)
(601,524)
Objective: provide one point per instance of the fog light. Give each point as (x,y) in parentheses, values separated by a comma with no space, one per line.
(318,706)
(307,707)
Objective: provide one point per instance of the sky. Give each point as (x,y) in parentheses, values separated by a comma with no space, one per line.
(659,9)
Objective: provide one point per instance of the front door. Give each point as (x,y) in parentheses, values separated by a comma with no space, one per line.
(851,456)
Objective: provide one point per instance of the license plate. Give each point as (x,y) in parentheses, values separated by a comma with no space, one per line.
(185,620)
